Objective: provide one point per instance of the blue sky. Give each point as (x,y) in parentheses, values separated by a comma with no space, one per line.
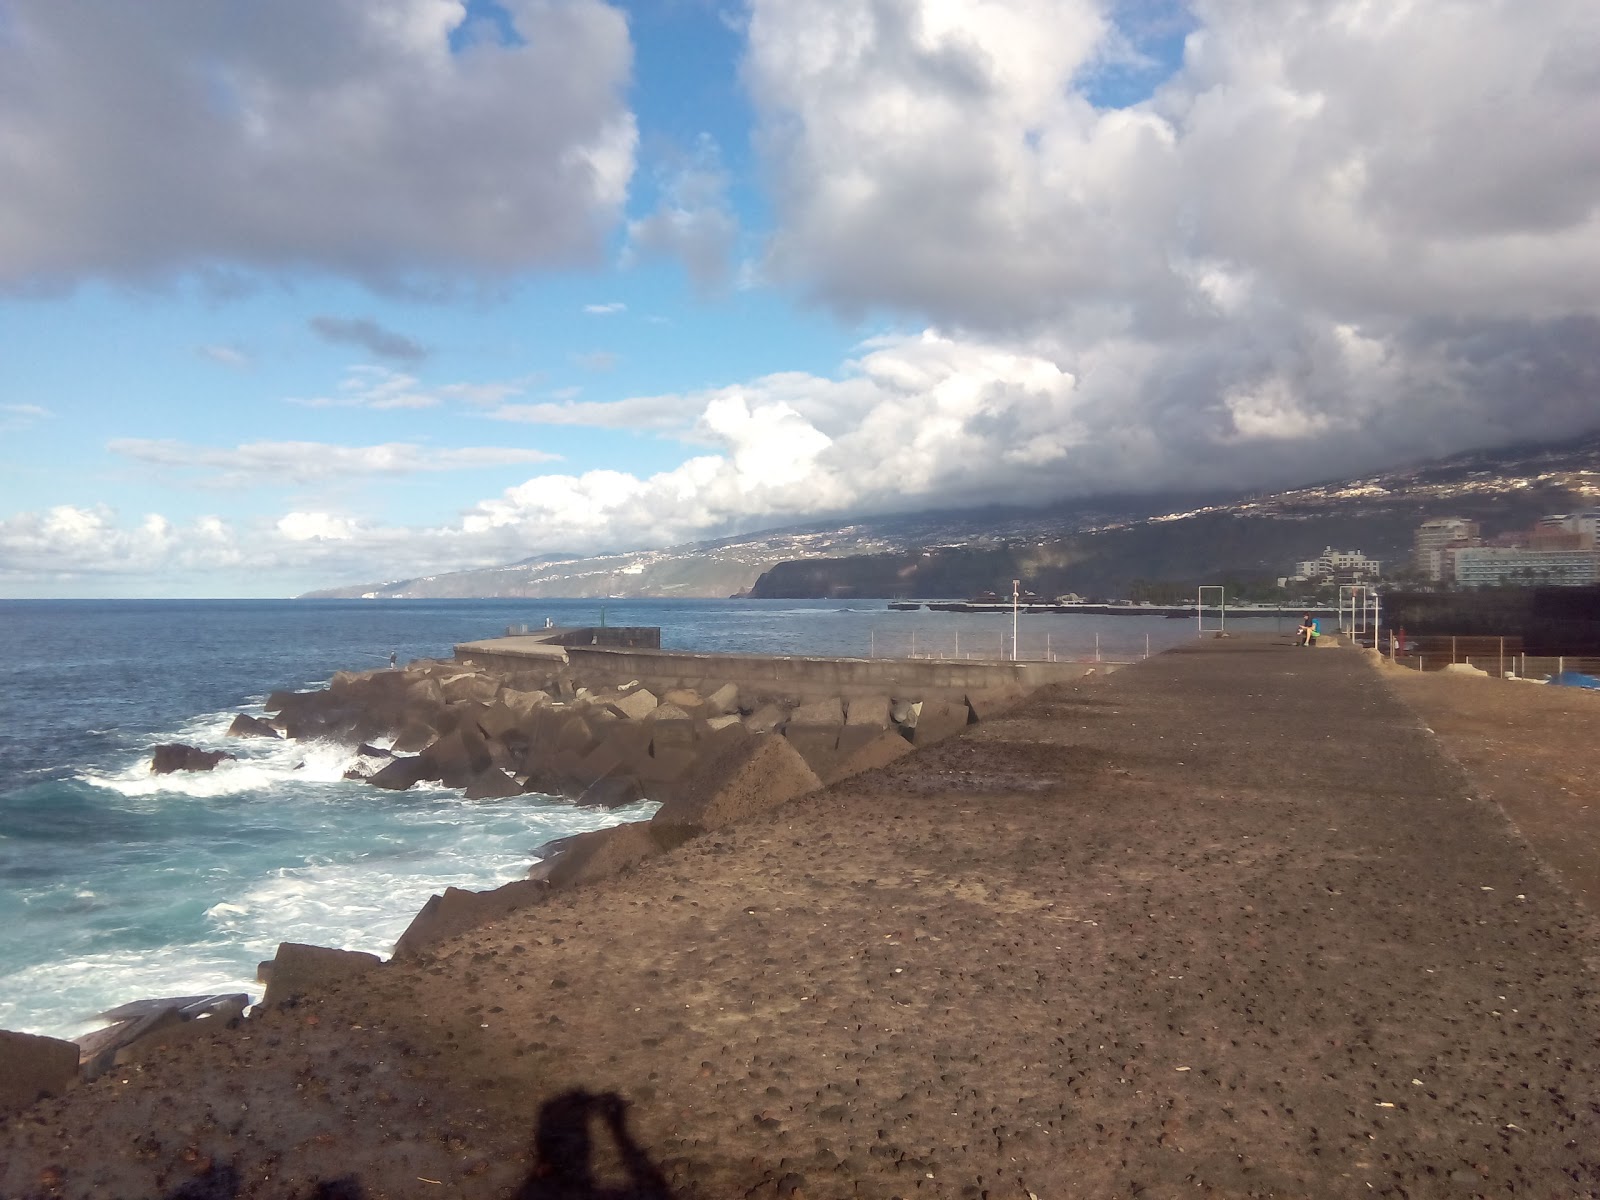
(362,292)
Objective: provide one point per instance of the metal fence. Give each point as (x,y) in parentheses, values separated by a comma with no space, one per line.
(1502,657)
(995,645)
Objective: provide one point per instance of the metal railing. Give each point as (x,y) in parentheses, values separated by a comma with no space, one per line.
(1502,657)
(996,646)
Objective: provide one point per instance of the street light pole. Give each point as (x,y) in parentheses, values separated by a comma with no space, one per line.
(1016,598)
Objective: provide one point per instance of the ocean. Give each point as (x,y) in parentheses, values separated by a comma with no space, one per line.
(117,885)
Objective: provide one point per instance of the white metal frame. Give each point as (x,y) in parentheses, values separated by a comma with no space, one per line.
(1200,609)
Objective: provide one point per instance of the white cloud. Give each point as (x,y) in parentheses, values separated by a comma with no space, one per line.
(1370,230)
(305,526)
(693,222)
(274,463)
(227,356)
(341,135)
(605,310)
(653,413)
(367,385)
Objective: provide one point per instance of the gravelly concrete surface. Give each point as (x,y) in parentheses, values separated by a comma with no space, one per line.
(1226,923)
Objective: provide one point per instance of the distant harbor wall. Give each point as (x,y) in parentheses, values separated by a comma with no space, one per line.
(761,673)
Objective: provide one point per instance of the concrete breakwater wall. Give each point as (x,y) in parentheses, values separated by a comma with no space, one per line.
(714,738)
(762,674)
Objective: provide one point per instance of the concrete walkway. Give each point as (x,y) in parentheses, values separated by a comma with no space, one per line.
(1224,924)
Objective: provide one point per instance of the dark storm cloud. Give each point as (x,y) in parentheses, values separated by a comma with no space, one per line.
(370,336)
(137,140)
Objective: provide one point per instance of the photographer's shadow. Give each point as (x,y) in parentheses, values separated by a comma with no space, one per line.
(564,1152)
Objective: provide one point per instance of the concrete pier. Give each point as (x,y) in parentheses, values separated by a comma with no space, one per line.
(611,657)
(1227,923)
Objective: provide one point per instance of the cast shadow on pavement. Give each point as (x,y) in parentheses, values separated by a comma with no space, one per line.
(563,1159)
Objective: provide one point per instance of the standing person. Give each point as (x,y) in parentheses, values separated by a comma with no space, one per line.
(394,658)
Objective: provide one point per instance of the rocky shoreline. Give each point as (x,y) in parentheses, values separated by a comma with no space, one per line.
(710,757)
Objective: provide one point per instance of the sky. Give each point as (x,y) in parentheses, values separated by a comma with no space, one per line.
(305,293)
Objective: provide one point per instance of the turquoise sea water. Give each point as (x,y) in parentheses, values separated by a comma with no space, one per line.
(117,885)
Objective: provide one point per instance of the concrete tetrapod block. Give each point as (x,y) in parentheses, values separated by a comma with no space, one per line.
(299,970)
(602,853)
(400,773)
(636,705)
(456,758)
(459,910)
(32,1067)
(748,777)
(722,701)
(689,700)
(987,705)
(472,686)
(817,744)
(492,784)
(414,735)
(765,719)
(673,734)
(244,725)
(868,710)
(879,750)
(940,719)
(819,712)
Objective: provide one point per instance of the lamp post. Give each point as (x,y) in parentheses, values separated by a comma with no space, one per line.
(1016,599)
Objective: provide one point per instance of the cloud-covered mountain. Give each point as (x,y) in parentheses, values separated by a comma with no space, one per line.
(1097,546)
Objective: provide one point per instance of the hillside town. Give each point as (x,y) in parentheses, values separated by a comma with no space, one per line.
(1558,550)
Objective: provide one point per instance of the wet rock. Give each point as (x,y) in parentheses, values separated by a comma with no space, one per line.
(176,756)
(32,1067)
(244,725)
(401,773)
(492,784)
(616,791)
(457,758)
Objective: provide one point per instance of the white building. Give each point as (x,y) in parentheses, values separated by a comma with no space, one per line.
(1338,564)
(1521,566)
(1434,536)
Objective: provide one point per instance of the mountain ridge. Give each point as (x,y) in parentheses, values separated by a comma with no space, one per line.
(1096,544)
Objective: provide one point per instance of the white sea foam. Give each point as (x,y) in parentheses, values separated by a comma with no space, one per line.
(349,867)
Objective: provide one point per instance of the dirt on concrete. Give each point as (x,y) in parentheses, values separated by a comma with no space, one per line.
(1228,923)
(1531,750)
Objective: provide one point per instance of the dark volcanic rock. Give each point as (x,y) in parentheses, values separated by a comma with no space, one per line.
(492,784)
(244,725)
(176,756)
(401,773)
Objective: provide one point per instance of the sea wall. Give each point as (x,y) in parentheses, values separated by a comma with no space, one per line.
(774,675)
